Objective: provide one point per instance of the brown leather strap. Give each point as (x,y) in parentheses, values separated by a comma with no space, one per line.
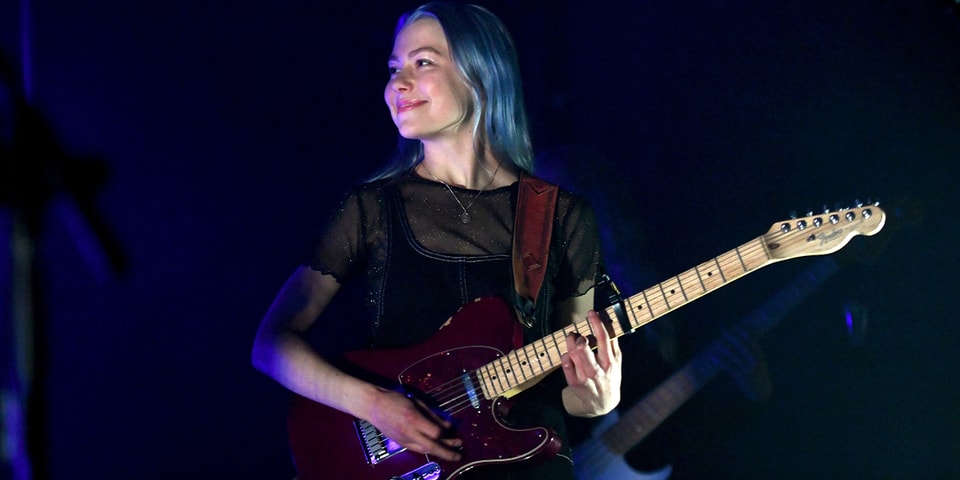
(532,229)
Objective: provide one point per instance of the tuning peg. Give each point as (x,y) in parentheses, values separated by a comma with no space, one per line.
(858,203)
(793,214)
(826,209)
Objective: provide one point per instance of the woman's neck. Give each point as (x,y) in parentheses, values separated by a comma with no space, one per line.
(460,165)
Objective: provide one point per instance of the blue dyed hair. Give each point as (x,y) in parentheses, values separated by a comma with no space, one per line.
(484,52)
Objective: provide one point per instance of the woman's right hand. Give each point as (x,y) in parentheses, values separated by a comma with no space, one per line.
(413,425)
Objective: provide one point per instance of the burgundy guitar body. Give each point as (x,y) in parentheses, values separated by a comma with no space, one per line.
(326,443)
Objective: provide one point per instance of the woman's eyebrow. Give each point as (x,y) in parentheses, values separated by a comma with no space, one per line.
(417,51)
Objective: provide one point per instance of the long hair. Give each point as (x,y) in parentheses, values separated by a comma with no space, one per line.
(485,55)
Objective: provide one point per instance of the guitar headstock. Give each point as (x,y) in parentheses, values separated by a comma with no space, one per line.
(823,233)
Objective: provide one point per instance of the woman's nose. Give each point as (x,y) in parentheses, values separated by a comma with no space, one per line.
(400,82)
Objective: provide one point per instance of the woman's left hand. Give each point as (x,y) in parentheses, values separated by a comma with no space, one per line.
(593,379)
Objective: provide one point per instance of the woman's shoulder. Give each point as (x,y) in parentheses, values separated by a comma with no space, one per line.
(569,198)
(566,198)
(371,193)
(370,188)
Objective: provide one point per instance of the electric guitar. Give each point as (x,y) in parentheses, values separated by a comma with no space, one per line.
(476,362)
(601,457)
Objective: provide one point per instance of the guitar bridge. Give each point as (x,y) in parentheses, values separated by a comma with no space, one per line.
(377,447)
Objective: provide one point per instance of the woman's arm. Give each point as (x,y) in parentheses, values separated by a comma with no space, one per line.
(281,352)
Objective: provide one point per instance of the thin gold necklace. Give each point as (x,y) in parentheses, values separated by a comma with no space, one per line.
(465,216)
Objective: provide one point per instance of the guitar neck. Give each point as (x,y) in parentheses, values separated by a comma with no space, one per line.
(818,234)
(514,372)
(681,289)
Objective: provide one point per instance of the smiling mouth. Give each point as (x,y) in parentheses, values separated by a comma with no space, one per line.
(409,105)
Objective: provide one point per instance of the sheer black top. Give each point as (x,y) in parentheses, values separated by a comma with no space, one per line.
(421,262)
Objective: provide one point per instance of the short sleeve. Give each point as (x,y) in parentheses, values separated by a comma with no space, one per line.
(343,246)
(579,247)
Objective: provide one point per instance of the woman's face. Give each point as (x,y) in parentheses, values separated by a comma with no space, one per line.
(427,97)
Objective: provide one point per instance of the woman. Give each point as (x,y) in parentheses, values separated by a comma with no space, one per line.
(433,231)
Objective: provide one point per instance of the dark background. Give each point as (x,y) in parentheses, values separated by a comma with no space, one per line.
(211,138)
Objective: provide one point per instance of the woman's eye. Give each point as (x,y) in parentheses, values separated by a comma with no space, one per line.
(423,62)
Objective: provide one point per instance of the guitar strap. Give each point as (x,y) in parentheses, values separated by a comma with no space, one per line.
(532,229)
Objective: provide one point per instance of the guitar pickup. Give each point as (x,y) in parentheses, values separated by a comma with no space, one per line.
(471,391)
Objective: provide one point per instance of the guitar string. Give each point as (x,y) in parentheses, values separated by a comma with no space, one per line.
(460,398)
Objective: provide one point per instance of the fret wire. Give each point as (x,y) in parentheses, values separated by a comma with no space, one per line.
(512,367)
(700,278)
(556,344)
(664,295)
(720,269)
(682,291)
(539,355)
(501,375)
(629,312)
(647,301)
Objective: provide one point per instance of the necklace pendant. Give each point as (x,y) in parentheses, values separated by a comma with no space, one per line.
(465,217)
